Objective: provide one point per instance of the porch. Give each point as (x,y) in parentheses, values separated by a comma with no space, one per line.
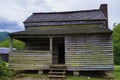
(38,54)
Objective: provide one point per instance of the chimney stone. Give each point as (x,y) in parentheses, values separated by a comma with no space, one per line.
(104,9)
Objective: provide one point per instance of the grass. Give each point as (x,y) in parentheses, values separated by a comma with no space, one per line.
(82,78)
(116,72)
(36,76)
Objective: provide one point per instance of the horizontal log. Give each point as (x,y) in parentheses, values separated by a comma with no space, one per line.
(30,55)
(87,65)
(30,62)
(88,59)
(31,51)
(28,58)
(89,51)
(105,68)
(28,67)
(89,56)
(87,46)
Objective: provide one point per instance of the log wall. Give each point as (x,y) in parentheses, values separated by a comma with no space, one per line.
(89,52)
(30,60)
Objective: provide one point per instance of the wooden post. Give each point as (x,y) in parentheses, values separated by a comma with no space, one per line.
(51,48)
(11,44)
(51,44)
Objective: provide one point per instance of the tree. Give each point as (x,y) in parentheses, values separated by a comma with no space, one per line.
(16,44)
(116,43)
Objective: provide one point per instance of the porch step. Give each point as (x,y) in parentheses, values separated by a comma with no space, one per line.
(57,71)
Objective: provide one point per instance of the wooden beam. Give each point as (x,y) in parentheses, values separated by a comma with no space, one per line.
(34,36)
(11,44)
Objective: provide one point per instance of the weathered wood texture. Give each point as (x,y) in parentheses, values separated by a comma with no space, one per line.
(38,44)
(30,60)
(89,52)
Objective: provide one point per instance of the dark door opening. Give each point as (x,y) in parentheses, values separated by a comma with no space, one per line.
(58,51)
(61,54)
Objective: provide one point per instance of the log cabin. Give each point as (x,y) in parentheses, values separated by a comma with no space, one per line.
(81,40)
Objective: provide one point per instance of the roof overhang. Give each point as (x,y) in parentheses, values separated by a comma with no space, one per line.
(37,32)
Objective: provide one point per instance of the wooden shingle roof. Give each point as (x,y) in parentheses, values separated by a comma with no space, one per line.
(67,16)
(62,18)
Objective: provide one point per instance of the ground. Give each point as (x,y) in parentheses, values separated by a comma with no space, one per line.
(32,77)
(44,77)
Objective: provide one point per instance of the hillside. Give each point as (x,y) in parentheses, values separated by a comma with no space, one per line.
(4,35)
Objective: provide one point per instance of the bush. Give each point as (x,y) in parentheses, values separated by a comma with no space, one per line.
(4,70)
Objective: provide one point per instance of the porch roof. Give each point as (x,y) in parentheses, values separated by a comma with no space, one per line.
(61,31)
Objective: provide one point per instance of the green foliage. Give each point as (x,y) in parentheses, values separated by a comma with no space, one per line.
(16,44)
(116,44)
(4,70)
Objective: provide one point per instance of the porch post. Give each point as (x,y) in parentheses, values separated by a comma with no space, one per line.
(11,44)
(51,47)
(51,44)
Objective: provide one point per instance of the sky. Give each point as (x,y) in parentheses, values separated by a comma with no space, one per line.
(14,12)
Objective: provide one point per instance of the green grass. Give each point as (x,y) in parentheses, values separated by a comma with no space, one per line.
(82,78)
(117,72)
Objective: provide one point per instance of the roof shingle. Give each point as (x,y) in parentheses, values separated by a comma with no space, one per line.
(66,16)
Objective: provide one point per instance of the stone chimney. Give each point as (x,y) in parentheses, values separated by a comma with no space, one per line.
(104,9)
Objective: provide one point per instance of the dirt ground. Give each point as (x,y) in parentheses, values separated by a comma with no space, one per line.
(30,78)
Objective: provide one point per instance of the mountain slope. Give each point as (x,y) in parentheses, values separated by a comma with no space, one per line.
(3,35)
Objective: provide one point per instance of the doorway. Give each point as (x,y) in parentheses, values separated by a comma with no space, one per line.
(58,55)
